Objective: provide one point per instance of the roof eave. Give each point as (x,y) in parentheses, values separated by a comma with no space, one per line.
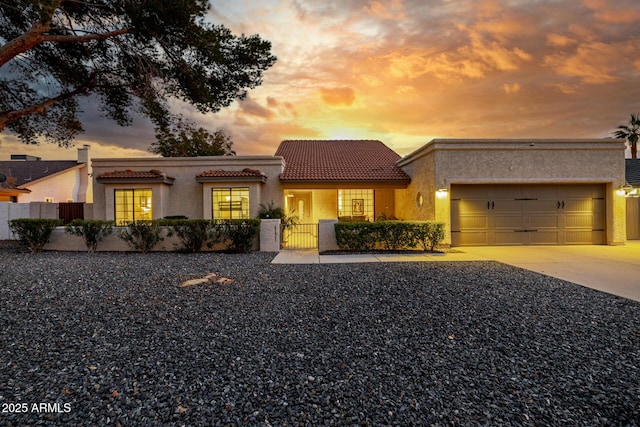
(203,179)
(130,180)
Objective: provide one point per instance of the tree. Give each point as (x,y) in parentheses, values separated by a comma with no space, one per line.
(132,55)
(182,139)
(630,132)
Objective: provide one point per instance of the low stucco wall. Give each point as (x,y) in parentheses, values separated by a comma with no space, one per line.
(61,241)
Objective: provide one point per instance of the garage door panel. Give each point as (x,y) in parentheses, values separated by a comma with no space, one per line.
(543,221)
(508,221)
(509,238)
(581,205)
(473,222)
(500,206)
(469,238)
(542,237)
(579,221)
(548,205)
(578,237)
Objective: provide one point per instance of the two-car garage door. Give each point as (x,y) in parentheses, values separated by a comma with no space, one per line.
(527,214)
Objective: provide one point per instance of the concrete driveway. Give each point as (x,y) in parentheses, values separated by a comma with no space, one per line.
(611,269)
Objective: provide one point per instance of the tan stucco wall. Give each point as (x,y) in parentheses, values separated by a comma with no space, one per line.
(187,196)
(441,163)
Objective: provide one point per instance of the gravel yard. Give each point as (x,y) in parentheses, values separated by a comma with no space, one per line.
(110,339)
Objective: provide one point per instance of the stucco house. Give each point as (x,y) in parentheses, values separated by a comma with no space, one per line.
(487,192)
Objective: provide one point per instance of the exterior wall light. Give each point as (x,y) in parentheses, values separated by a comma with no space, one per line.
(626,190)
(441,193)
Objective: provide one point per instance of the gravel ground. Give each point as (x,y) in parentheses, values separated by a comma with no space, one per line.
(110,339)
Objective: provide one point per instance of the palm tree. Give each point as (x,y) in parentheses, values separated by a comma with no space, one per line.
(630,132)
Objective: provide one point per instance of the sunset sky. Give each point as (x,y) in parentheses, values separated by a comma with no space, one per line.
(407,71)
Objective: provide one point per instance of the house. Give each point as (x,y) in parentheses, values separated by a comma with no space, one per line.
(487,192)
(31,179)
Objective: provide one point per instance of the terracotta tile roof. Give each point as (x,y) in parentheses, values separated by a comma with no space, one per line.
(132,174)
(339,160)
(219,173)
(152,175)
(632,171)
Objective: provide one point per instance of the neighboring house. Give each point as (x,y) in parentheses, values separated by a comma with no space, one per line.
(487,192)
(632,177)
(31,179)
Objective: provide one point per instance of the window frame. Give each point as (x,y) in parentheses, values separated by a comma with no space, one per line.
(236,197)
(136,213)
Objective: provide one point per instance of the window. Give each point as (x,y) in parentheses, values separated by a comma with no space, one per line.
(230,203)
(356,204)
(133,205)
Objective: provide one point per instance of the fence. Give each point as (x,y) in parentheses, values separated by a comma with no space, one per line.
(64,211)
(300,236)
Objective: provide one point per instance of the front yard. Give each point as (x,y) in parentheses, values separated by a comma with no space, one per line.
(110,339)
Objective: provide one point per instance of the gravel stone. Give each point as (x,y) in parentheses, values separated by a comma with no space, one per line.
(114,337)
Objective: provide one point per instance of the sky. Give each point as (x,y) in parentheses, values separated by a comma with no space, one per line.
(407,71)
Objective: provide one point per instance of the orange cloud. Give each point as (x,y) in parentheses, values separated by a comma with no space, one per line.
(511,88)
(593,63)
(613,13)
(338,95)
(559,40)
(385,10)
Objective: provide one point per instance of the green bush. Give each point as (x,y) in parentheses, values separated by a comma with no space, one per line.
(389,235)
(33,233)
(356,236)
(429,234)
(395,235)
(142,236)
(241,233)
(91,231)
(193,233)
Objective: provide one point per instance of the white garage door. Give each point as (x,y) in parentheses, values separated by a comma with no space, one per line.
(527,214)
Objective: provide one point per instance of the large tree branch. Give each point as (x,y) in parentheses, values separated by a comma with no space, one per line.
(7,117)
(38,33)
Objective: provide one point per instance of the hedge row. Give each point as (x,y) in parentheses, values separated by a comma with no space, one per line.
(193,234)
(389,235)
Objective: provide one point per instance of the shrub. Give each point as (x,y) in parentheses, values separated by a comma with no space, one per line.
(33,233)
(429,234)
(91,231)
(193,233)
(241,233)
(390,235)
(395,235)
(356,236)
(142,236)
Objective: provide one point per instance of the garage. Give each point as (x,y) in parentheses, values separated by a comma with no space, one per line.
(527,214)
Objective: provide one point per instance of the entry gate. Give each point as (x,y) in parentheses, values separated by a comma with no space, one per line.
(299,236)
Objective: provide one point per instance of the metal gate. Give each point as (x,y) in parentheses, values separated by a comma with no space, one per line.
(299,236)
(67,212)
